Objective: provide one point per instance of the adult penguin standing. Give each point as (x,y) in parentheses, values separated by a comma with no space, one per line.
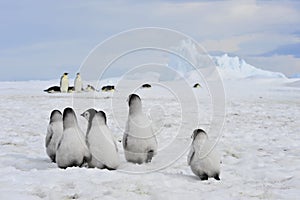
(64,83)
(78,83)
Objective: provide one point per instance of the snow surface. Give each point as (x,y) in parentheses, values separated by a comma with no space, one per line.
(260,145)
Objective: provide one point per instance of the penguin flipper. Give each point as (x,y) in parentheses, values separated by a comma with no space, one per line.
(59,143)
(190,156)
(48,137)
(125,137)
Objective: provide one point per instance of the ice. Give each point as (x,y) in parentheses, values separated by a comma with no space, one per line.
(229,67)
(236,68)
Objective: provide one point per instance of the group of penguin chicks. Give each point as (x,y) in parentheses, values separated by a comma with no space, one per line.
(68,146)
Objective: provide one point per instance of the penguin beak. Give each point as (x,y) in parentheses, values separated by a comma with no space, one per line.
(82,115)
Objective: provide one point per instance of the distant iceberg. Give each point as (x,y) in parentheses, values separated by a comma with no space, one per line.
(227,66)
(236,68)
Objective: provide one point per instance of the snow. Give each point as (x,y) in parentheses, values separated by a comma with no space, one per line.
(259,144)
(294,83)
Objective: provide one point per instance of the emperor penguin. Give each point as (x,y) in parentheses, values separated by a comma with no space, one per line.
(101,142)
(90,88)
(53,89)
(54,133)
(72,149)
(139,140)
(203,158)
(78,83)
(64,83)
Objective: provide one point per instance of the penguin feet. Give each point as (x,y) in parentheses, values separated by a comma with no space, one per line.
(62,167)
(108,168)
(216,176)
(52,159)
(70,164)
(203,177)
(150,155)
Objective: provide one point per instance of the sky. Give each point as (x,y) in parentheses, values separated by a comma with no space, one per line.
(43,39)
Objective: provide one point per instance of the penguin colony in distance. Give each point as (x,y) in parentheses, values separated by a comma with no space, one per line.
(65,88)
(139,140)
(68,146)
(203,159)
(56,89)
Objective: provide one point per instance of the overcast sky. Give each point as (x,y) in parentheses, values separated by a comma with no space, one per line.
(42,39)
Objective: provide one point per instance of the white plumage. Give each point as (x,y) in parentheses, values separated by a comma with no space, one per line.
(72,149)
(203,157)
(78,83)
(100,141)
(139,141)
(64,83)
(54,133)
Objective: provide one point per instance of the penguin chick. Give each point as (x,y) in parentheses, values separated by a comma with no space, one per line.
(72,149)
(203,158)
(101,143)
(64,83)
(139,141)
(54,133)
